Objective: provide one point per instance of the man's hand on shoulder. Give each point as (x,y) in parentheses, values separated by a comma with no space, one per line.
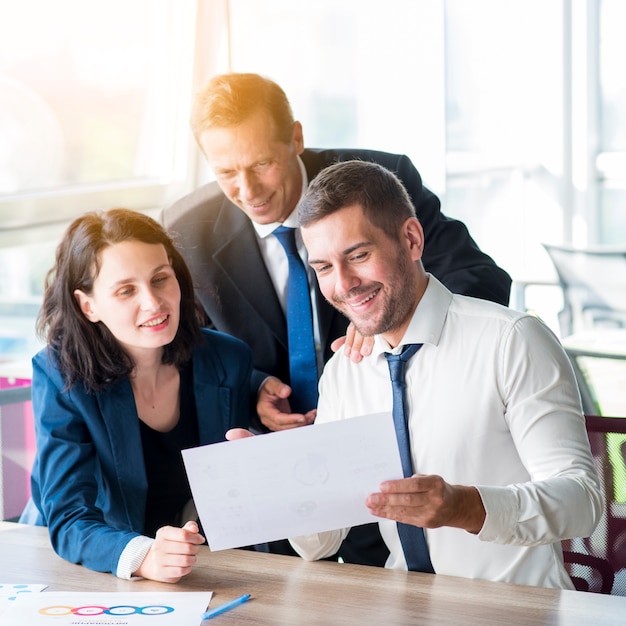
(355,346)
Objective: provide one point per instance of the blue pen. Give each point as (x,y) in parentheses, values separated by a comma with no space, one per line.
(225,607)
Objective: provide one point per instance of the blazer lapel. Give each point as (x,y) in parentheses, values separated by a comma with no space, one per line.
(240,260)
(122,424)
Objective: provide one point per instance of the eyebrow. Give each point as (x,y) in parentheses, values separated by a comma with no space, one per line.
(131,279)
(223,169)
(346,252)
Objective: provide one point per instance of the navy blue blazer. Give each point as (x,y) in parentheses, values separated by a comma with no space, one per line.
(89,482)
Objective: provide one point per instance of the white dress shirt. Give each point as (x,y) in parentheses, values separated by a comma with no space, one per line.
(493,403)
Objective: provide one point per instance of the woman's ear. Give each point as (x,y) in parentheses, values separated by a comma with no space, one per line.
(85,305)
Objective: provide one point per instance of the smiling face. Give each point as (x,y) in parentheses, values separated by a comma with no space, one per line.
(371,278)
(136,295)
(255,170)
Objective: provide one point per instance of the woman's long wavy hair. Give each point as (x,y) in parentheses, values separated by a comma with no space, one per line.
(86,351)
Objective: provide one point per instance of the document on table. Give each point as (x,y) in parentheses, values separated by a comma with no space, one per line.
(10,591)
(68,608)
(292,482)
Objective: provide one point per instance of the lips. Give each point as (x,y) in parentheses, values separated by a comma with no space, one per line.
(157,321)
(367,299)
(256,206)
(363,300)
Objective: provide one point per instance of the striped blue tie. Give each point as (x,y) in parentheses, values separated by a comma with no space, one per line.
(411,537)
(302,359)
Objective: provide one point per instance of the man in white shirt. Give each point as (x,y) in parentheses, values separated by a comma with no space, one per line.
(501,459)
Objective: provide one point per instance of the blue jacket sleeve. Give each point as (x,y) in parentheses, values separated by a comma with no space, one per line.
(65,480)
(88,481)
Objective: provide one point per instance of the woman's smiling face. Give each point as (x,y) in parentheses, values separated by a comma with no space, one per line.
(136,295)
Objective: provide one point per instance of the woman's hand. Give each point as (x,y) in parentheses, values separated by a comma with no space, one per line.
(173,553)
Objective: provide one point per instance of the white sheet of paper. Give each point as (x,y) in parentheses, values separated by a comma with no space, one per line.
(110,608)
(292,482)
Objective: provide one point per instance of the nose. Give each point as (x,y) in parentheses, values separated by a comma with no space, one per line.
(345,280)
(149,300)
(248,186)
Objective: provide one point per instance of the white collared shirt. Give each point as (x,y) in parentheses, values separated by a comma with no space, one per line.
(493,403)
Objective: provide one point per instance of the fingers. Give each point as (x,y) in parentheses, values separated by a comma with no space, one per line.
(238,433)
(173,553)
(193,533)
(355,345)
(416,500)
(361,346)
(349,343)
(274,409)
(284,421)
(367,343)
(335,346)
(187,535)
(273,386)
(429,502)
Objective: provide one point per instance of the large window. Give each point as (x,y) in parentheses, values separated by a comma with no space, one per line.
(94,102)
(512,110)
(498,103)
(611,118)
(504,125)
(94,107)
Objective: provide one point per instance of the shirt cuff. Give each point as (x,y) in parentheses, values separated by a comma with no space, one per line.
(132,557)
(320,545)
(502,513)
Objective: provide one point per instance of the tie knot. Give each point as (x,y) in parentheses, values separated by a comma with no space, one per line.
(287,238)
(397,362)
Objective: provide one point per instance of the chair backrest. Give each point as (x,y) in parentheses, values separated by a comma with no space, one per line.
(17,445)
(598,563)
(594,286)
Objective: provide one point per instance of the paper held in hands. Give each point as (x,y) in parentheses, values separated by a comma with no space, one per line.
(293,482)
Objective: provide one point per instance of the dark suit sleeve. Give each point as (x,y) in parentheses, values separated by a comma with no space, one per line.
(450,253)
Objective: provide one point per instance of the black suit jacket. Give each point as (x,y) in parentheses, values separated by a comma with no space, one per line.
(219,244)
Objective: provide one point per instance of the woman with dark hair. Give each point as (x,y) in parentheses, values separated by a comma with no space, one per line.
(128,379)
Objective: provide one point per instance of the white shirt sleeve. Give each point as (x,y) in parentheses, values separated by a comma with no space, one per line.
(563,499)
(320,545)
(132,557)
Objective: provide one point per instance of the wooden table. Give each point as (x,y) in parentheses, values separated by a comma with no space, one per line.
(288,590)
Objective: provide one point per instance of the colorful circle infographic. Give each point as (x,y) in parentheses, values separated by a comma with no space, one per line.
(122,609)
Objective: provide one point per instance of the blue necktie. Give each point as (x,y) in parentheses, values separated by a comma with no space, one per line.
(411,537)
(302,359)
